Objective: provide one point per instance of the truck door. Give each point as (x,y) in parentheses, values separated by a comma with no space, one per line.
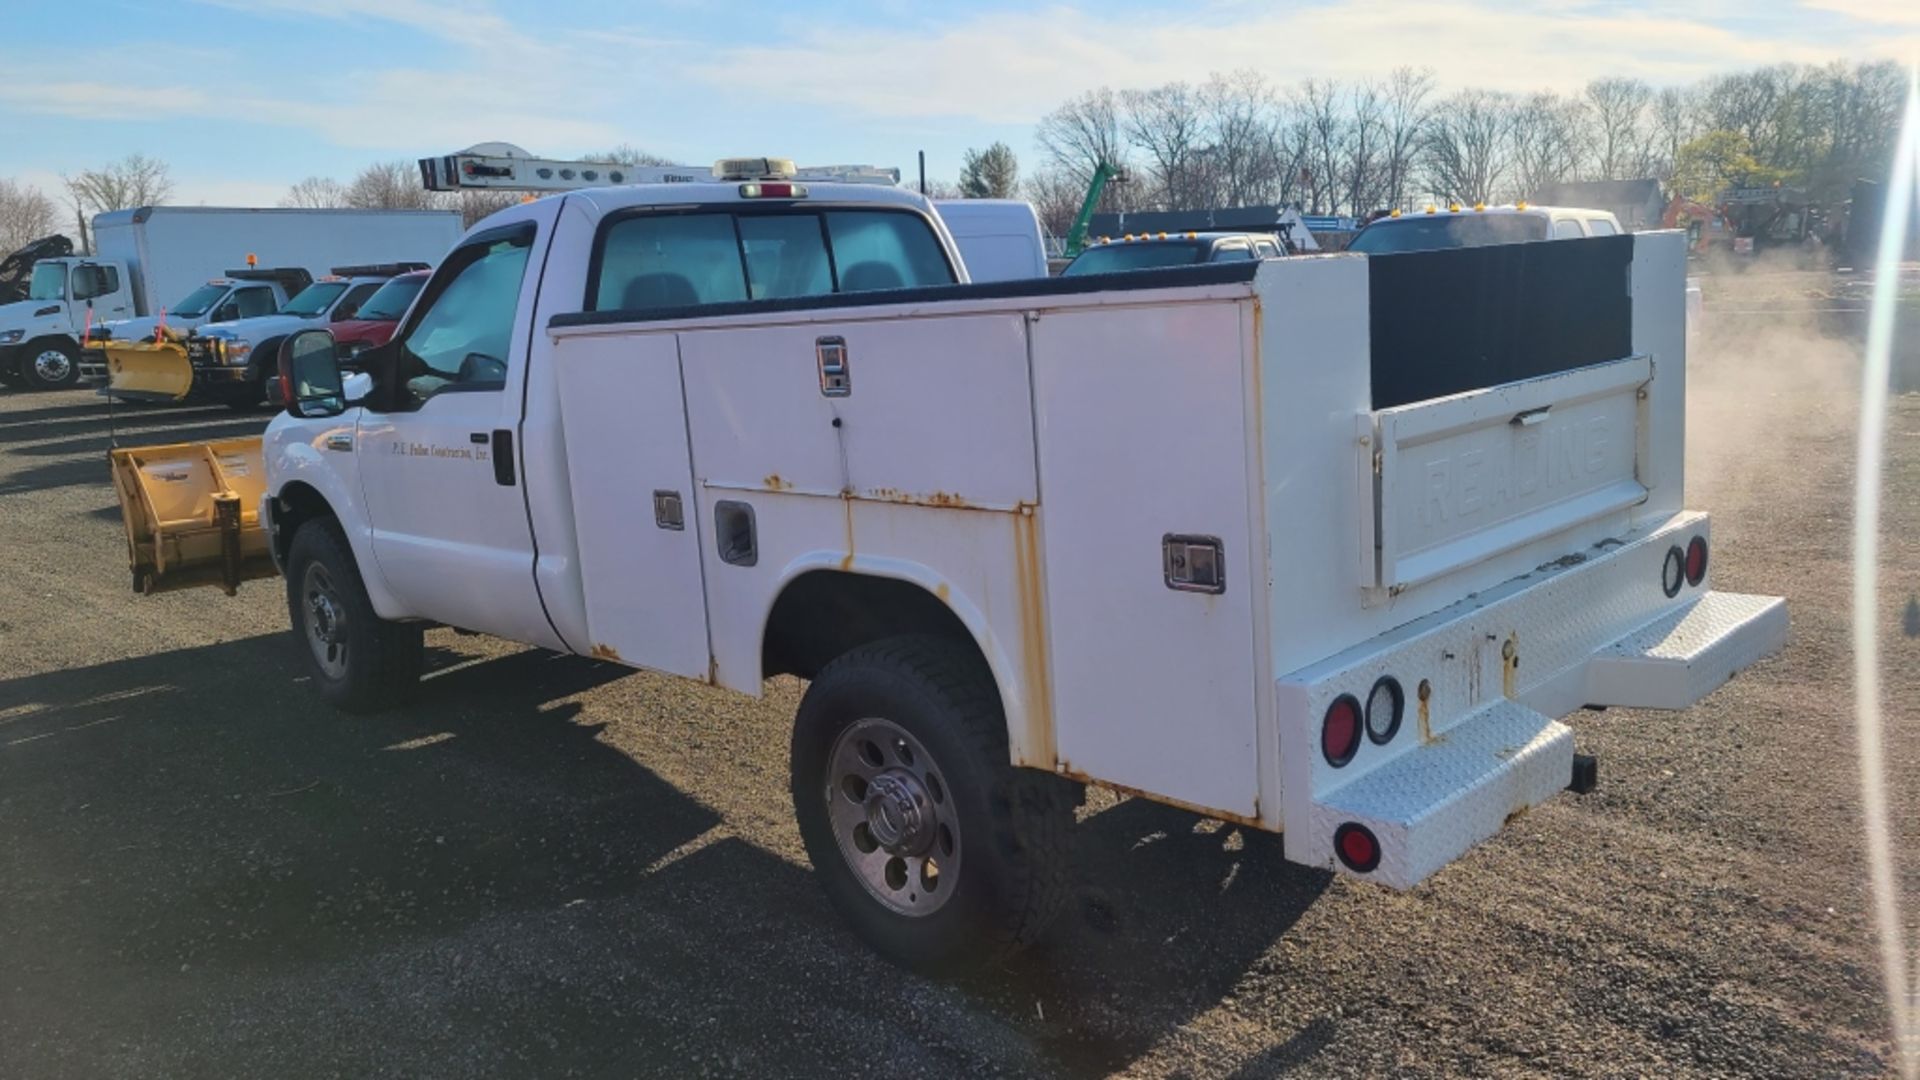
(440,469)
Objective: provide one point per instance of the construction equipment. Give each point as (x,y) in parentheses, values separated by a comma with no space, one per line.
(1104,173)
(15,268)
(192,512)
(1705,226)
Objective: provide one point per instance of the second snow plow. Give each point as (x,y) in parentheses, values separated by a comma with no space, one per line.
(148,369)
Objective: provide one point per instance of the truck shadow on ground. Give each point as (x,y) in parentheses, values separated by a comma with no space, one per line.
(213,873)
(82,413)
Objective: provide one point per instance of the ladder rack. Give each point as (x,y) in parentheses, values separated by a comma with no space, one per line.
(505,167)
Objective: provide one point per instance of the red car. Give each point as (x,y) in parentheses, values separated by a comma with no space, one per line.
(376,320)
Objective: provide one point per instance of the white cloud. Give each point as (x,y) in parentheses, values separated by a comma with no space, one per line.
(1886,12)
(1013,67)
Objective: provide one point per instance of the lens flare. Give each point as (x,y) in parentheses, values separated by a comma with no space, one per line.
(1866,585)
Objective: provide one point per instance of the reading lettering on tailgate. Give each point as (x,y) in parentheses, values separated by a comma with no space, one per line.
(1465,477)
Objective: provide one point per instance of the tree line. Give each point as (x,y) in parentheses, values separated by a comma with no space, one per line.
(1351,147)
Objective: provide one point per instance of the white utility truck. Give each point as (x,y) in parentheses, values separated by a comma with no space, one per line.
(201,264)
(1321,546)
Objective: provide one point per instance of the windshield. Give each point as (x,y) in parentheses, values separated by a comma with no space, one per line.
(1109,258)
(1435,233)
(314,299)
(199,301)
(391,301)
(49,282)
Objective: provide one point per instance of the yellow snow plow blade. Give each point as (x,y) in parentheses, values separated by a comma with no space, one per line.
(192,512)
(145,371)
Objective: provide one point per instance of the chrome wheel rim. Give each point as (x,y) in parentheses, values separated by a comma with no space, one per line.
(52,365)
(325,618)
(893,817)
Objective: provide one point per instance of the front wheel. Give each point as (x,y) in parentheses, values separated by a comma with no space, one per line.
(937,850)
(360,662)
(50,364)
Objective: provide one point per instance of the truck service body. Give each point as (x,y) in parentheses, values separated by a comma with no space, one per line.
(153,257)
(1287,542)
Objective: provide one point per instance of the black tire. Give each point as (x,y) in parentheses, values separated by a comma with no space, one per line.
(1013,826)
(377,663)
(50,364)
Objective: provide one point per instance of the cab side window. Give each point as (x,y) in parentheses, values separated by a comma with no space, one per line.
(91,280)
(1232,254)
(349,305)
(1566,229)
(253,301)
(463,331)
(1265,249)
(1601,227)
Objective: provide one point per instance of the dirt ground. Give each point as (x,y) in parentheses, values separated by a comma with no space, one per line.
(555,867)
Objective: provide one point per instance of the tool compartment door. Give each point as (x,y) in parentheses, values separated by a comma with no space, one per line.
(1143,436)
(1466,477)
(628,467)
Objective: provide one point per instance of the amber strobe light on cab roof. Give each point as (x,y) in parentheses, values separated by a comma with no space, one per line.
(1340,730)
(757,168)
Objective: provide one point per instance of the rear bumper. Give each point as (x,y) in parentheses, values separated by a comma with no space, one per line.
(1483,682)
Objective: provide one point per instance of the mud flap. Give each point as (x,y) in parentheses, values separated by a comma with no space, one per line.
(192,514)
(146,371)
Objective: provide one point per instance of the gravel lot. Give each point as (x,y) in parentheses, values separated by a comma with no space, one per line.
(556,867)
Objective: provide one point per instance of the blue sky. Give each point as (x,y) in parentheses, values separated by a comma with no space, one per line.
(245,97)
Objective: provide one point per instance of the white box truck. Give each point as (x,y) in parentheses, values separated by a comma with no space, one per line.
(199,264)
(1323,546)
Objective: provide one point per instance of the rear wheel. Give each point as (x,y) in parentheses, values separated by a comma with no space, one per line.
(360,662)
(50,364)
(937,850)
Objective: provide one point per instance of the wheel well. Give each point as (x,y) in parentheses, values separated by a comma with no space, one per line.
(265,358)
(61,341)
(825,613)
(296,505)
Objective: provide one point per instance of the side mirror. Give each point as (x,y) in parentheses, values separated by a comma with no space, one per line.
(226,313)
(310,380)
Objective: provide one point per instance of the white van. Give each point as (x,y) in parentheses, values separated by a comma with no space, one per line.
(999,239)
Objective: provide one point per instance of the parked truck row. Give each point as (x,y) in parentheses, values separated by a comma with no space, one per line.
(171,275)
(1322,546)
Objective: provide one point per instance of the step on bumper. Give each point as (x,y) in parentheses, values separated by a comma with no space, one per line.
(1681,657)
(1428,808)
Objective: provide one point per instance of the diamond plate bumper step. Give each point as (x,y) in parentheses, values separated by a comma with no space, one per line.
(1681,657)
(1427,808)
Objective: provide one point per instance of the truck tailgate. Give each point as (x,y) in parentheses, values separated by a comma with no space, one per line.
(1462,478)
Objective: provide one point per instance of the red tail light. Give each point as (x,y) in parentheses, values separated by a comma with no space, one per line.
(1696,560)
(1358,849)
(1340,730)
(773,189)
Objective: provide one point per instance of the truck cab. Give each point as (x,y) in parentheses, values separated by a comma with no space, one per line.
(65,296)
(1438,229)
(242,294)
(1146,251)
(229,357)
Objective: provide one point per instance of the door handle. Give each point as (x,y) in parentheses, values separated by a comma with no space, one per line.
(340,442)
(502,455)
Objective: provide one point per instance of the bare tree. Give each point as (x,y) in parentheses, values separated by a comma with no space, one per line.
(1083,133)
(394,185)
(993,173)
(1466,146)
(1363,179)
(134,180)
(1165,122)
(1546,134)
(1406,119)
(1056,195)
(1676,121)
(629,155)
(1243,158)
(1617,109)
(1322,127)
(477,203)
(316,193)
(26,215)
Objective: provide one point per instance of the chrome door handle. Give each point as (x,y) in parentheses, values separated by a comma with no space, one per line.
(340,442)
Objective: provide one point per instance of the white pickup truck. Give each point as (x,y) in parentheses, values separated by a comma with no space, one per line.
(1321,546)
